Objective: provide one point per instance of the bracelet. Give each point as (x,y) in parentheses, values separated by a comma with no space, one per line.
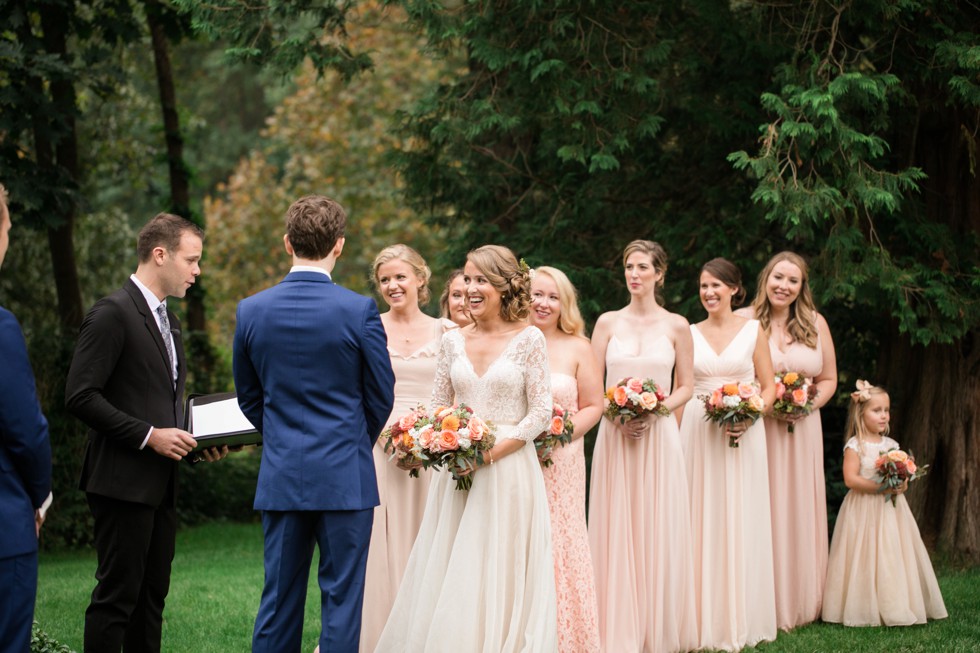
(490,453)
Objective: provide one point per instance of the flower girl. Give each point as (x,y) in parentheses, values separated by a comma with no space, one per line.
(879,571)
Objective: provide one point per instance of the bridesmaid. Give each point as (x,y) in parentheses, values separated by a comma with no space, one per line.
(402,278)
(639,519)
(799,341)
(733,570)
(577,386)
(452,303)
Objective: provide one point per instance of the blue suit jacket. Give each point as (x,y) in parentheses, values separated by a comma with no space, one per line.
(25,450)
(313,375)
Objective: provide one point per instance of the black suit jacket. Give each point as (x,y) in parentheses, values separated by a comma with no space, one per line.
(120,384)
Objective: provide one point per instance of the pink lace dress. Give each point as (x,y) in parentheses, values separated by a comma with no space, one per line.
(564,481)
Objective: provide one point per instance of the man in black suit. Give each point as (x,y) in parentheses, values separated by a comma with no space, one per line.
(126,383)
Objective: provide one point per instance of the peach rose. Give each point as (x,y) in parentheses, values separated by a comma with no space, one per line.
(426,435)
(635,385)
(910,466)
(790,378)
(648,400)
(620,396)
(557,425)
(897,456)
(730,389)
(448,440)
(756,403)
(408,421)
(780,390)
(477,428)
(746,390)
(716,398)
(800,397)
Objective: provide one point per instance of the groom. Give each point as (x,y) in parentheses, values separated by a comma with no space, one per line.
(313,375)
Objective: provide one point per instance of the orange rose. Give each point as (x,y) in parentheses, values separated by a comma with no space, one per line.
(716,399)
(910,466)
(611,394)
(408,421)
(897,456)
(800,397)
(634,385)
(477,428)
(790,378)
(557,425)
(450,423)
(448,440)
(620,396)
(730,389)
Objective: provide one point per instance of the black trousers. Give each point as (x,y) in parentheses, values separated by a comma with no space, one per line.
(135,546)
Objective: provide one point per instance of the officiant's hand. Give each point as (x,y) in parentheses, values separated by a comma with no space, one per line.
(214,454)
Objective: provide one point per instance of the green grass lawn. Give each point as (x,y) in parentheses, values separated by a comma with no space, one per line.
(217,580)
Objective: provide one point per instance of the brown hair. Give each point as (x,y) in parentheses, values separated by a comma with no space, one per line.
(570,320)
(444,297)
(508,276)
(164,230)
(413,258)
(728,273)
(314,224)
(658,256)
(802,322)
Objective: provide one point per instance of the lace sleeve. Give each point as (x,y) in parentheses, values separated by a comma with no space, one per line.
(537,387)
(442,386)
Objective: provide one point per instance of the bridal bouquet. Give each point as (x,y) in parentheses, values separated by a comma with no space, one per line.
(733,403)
(559,434)
(634,397)
(451,437)
(794,395)
(894,468)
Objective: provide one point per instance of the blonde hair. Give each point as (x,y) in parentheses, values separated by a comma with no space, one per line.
(570,320)
(855,412)
(414,259)
(509,277)
(444,297)
(802,322)
(658,256)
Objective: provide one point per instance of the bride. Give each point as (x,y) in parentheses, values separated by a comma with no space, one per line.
(480,576)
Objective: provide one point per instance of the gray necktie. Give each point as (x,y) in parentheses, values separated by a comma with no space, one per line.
(165,332)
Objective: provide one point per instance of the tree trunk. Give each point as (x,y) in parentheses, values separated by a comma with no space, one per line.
(64,155)
(179,174)
(935,389)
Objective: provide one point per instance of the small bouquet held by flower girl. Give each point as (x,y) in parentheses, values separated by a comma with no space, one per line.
(559,434)
(452,437)
(894,468)
(633,397)
(733,403)
(794,396)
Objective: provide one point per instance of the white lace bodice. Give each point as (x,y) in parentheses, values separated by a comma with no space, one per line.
(515,391)
(869,453)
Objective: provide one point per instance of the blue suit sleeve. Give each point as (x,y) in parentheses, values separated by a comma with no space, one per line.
(377,378)
(23,428)
(247,384)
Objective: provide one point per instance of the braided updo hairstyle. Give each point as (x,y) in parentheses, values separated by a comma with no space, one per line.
(511,279)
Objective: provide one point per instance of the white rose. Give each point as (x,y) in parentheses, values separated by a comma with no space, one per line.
(464,443)
(730,401)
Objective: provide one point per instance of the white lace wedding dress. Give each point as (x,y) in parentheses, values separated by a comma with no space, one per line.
(480,577)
